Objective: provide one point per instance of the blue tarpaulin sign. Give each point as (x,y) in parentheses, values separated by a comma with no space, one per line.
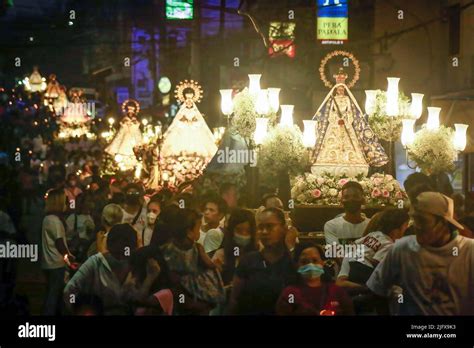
(332,26)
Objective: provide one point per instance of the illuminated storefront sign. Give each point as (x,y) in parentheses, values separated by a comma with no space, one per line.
(332,24)
(179,9)
(282,37)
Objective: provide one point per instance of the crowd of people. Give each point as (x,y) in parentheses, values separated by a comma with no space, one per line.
(109,247)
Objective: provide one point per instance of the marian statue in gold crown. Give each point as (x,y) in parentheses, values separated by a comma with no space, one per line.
(345,143)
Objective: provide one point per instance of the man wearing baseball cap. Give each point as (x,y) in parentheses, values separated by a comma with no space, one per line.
(434,267)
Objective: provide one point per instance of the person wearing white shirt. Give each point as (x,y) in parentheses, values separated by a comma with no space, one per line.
(434,267)
(356,270)
(54,250)
(352,224)
(211,233)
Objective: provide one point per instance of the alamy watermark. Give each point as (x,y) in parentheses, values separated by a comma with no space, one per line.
(232,156)
(78,109)
(37,331)
(19,251)
(351,251)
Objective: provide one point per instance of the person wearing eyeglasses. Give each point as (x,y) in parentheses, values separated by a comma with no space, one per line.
(262,275)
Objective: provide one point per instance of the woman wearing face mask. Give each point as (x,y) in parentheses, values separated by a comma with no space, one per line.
(153,211)
(314,293)
(239,239)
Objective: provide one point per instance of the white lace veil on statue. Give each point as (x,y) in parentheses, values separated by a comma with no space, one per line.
(189,113)
(373,152)
(188,134)
(331,93)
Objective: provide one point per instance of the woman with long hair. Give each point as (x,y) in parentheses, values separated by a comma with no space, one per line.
(54,249)
(240,237)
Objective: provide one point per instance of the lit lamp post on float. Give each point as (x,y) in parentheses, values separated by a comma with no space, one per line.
(392,112)
(433,124)
(309,134)
(265,101)
(261,130)
(286,148)
(460,136)
(408,132)
(408,124)
(279,145)
(284,186)
(262,109)
(227,105)
(433,127)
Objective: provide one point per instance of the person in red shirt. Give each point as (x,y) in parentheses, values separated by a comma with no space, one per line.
(314,293)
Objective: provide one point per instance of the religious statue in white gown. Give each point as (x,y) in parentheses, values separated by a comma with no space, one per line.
(74,122)
(35,83)
(345,143)
(53,88)
(60,103)
(55,95)
(189,134)
(76,111)
(127,138)
(188,143)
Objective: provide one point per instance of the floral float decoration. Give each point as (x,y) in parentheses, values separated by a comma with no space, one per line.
(182,168)
(282,151)
(385,127)
(243,122)
(433,151)
(325,190)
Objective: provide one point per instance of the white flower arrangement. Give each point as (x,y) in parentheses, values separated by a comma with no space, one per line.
(282,151)
(433,150)
(379,189)
(183,168)
(243,119)
(74,130)
(385,127)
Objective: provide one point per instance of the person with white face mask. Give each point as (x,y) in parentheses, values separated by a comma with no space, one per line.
(153,211)
(239,239)
(314,293)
